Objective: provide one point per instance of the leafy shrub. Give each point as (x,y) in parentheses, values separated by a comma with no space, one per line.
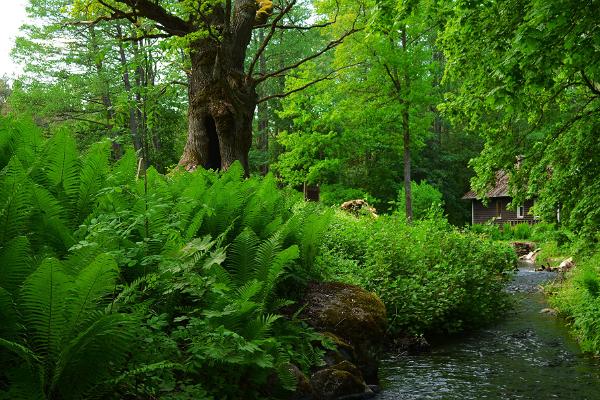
(578,300)
(490,230)
(194,266)
(521,231)
(431,277)
(427,201)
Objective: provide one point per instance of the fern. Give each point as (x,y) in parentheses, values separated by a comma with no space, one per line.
(8,315)
(62,167)
(91,355)
(43,300)
(15,201)
(91,285)
(241,255)
(91,179)
(48,221)
(15,263)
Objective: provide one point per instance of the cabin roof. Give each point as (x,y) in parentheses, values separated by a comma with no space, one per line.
(500,189)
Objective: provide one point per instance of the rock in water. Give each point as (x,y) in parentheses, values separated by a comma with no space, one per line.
(341,381)
(352,314)
(566,265)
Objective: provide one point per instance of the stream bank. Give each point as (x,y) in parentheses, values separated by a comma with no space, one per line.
(528,355)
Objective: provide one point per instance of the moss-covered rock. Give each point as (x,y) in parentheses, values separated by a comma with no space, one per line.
(343,351)
(341,381)
(353,314)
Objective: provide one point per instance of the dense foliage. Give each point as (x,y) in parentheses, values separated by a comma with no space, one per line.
(146,285)
(121,276)
(431,277)
(578,300)
(529,78)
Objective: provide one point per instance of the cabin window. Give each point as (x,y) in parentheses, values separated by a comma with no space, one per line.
(521,212)
(498,209)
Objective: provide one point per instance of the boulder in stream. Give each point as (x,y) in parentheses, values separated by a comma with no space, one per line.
(342,381)
(355,317)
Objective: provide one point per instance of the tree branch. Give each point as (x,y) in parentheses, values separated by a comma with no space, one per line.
(594,86)
(166,21)
(269,36)
(331,45)
(146,36)
(307,85)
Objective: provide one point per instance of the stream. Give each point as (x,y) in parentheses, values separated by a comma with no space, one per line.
(527,355)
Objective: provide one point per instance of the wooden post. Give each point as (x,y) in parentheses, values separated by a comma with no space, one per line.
(311,192)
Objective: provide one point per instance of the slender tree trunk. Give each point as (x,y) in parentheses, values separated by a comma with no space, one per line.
(140,83)
(263,114)
(105,95)
(406,137)
(133,124)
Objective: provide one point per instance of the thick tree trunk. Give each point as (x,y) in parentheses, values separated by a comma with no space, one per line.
(220,116)
(222,99)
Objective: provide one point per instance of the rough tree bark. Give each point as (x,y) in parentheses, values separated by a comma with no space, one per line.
(222,98)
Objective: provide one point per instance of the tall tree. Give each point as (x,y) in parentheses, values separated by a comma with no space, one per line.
(222,84)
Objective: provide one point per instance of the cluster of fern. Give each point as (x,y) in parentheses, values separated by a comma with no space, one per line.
(120,283)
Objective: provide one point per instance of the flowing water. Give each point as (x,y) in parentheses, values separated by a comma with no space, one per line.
(528,355)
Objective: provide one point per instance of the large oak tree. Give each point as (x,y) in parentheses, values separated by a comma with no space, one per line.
(223,83)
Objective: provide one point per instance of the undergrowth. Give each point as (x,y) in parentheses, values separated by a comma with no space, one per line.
(431,277)
(123,284)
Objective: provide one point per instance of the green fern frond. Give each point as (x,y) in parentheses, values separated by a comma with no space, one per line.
(48,220)
(8,315)
(15,201)
(241,255)
(91,285)
(250,289)
(15,263)
(265,255)
(91,179)
(42,305)
(62,166)
(286,376)
(26,379)
(20,138)
(145,369)
(277,269)
(25,354)
(124,170)
(92,355)
(314,228)
(260,328)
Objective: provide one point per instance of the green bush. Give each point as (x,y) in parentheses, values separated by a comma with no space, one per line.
(579,301)
(490,230)
(114,285)
(521,232)
(431,277)
(427,201)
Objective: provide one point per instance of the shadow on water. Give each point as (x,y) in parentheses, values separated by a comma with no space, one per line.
(528,355)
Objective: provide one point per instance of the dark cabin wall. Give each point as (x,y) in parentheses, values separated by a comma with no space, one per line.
(497,208)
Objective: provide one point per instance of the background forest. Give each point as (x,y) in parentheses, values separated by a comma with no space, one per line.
(130,271)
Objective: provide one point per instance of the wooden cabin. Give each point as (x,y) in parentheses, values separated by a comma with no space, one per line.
(496,210)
